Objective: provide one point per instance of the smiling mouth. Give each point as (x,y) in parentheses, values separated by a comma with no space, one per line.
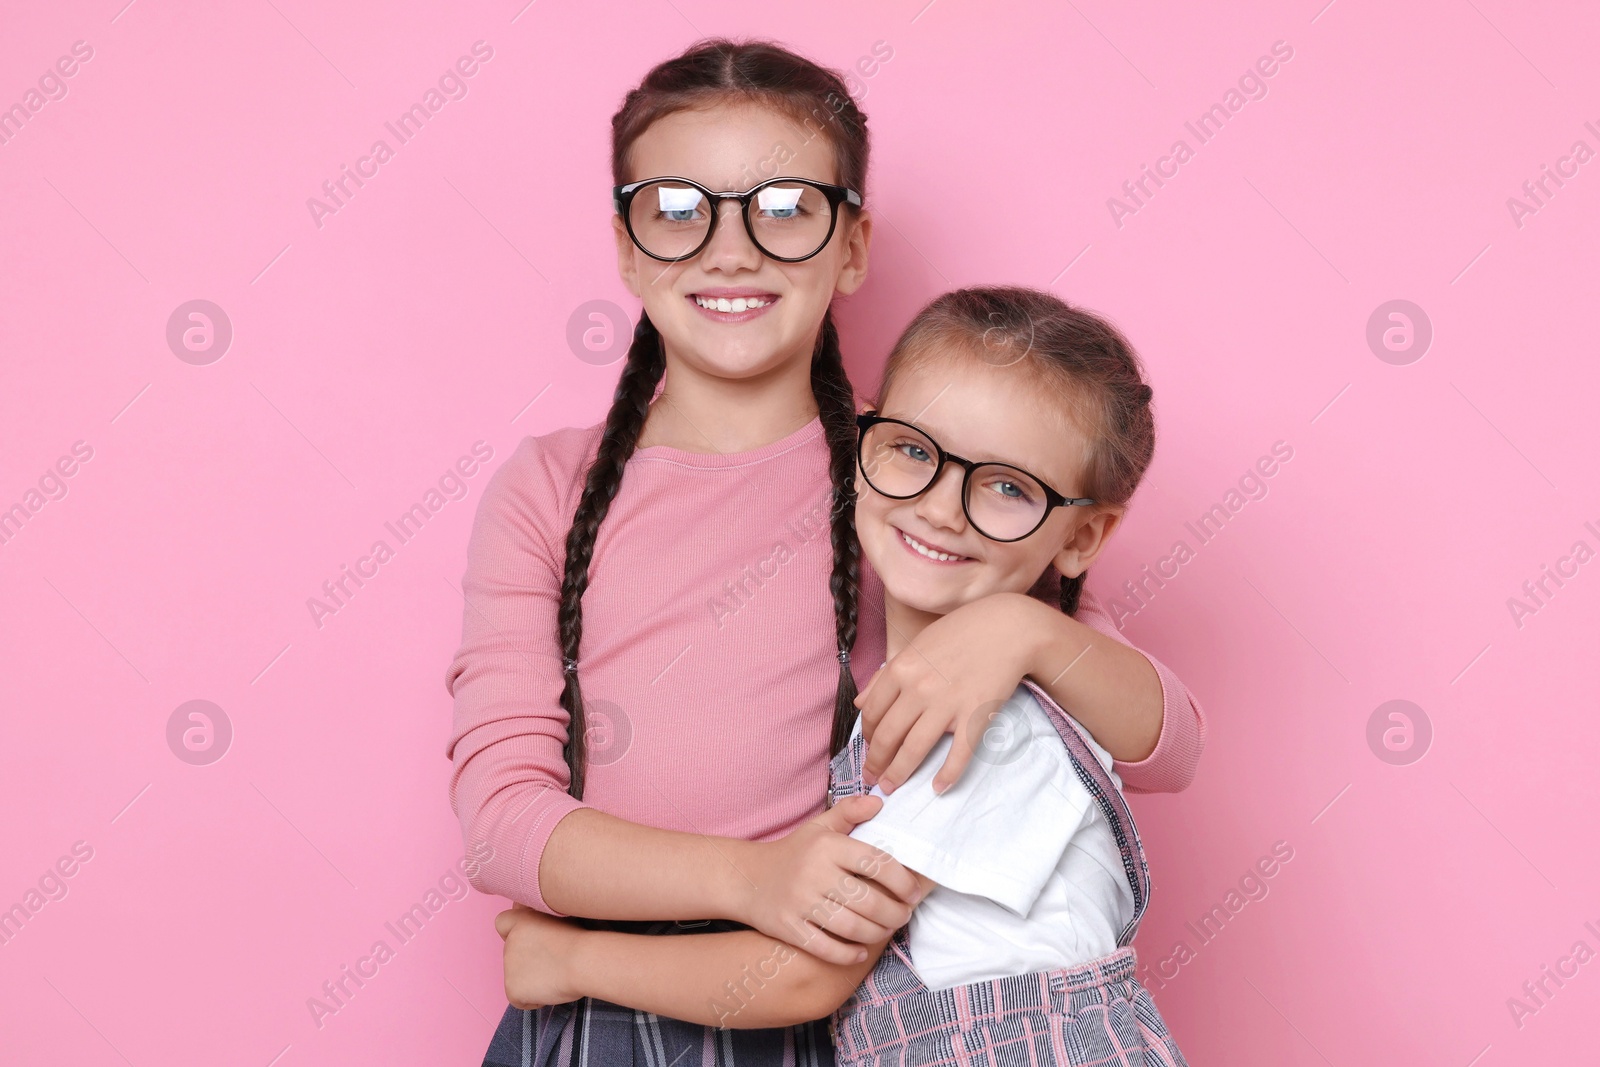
(928,551)
(733,305)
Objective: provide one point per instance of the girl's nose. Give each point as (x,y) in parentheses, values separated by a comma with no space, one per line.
(730,248)
(940,503)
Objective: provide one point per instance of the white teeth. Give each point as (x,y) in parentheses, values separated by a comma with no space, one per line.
(737,304)
(926,551)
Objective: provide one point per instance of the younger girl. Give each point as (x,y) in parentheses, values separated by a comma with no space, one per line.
(976,476)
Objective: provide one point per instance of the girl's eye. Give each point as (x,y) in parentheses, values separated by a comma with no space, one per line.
(675,204)
(914,452)
(780,203)
(1012,490)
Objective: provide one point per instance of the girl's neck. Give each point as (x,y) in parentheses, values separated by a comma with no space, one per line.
(904,624)
(697,412)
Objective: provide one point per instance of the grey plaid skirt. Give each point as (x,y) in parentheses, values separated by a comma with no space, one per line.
(597,1033)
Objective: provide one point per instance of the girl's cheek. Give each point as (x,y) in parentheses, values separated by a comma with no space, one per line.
(871,520)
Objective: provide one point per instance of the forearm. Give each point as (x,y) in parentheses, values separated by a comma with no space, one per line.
(603,867)
(742,979)
(1109,686)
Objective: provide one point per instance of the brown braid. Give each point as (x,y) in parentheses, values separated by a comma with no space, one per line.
(1071,589)
(624,422)
(837,410)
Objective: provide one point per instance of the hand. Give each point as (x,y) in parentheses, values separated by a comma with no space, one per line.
(823,891)
(538,956)
(951,680)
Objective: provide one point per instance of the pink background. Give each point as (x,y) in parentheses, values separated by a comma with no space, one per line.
(431,312)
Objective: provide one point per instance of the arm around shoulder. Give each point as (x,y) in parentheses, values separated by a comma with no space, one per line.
(1170,766)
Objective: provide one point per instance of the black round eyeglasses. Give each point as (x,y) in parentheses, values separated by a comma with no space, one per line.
(672,219)
(1002,502)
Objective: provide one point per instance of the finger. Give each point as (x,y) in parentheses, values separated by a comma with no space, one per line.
(961,750)
(504,922)
(849,926)
(825,946)
(866,909)
(870,913)
(520,1004)
(889,880)
(850,811)
(894,723)
(924,734)
(892,730)
(880,696)
(861,696)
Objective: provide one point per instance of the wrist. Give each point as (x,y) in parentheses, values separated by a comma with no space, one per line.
(571,962)
(733,889)
(1036,631)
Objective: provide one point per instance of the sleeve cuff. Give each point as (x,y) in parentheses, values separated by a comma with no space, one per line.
(1170,766)
(518,871)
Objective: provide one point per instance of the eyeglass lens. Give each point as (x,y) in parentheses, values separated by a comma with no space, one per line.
(1002,502)
(670,219)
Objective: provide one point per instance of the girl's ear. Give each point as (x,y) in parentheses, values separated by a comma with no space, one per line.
(1085,542)
(853,271)
(625,261)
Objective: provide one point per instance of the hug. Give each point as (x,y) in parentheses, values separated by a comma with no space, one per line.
(876,814)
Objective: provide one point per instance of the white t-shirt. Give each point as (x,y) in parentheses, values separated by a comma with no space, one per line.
(1029,876)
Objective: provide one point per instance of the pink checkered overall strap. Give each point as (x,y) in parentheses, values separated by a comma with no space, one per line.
(1112,804)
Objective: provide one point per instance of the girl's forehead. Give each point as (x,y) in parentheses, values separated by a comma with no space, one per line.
(732,145)
(981,411)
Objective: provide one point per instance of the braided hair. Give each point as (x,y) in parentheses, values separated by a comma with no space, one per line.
(720,69)
(629,406)
(836,407)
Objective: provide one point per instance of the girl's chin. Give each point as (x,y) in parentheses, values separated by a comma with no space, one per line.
(926,605)
(932,597)
(736,357)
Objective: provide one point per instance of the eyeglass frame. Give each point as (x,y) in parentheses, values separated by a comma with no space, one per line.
(1053,499)
(622,199)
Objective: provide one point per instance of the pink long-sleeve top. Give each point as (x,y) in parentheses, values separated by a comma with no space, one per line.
(708,659)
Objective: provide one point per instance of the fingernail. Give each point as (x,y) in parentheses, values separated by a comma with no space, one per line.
(861,957)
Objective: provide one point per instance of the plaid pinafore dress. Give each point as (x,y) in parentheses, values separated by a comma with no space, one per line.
(1096,1013)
